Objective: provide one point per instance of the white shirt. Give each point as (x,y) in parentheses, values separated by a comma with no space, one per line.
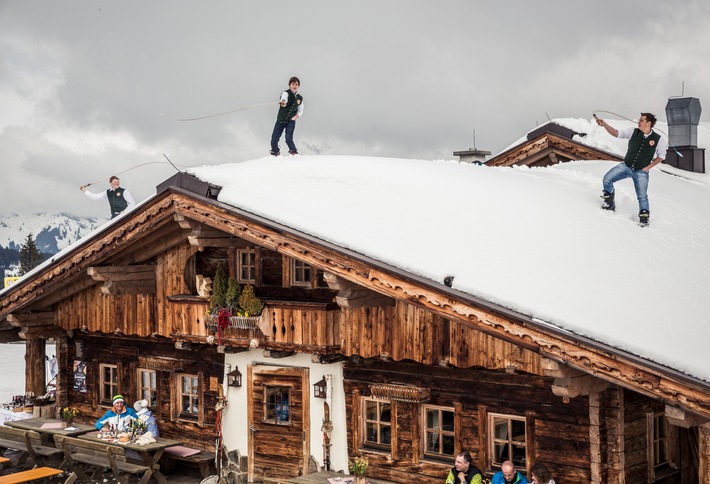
(104,196)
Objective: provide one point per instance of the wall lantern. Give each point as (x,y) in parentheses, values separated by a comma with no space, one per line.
(234,378)
(320,389)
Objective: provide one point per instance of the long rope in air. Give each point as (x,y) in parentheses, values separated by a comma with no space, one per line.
(633,121)
(230,112)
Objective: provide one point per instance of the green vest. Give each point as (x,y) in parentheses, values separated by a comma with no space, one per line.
(291,108)
(116,201)
(641,149)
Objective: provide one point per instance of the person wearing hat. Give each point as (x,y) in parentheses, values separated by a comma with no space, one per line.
(146,416)
(118,417)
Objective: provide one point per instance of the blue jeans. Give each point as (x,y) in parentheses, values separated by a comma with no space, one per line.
(279,128)
(640,178)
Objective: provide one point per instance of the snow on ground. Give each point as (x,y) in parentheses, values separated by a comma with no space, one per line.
(533,240)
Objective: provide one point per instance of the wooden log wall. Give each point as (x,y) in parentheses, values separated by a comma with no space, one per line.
(125,354)
(560,437)
(406,332)
(636,446)
(141,314)
(303,326)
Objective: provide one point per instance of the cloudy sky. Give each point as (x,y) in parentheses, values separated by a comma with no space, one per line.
(94,88)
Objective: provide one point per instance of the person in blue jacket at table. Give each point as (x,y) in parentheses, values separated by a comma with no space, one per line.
(508,475)
(118,417)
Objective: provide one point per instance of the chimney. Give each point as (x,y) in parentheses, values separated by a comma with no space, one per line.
(683,115)
(472,155)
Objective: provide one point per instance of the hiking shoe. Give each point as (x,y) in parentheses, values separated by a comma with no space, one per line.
(644,218)
(608,201)
(275,153)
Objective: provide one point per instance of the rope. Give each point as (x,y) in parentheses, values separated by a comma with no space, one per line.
(655,129)
(229,112)
(140,165)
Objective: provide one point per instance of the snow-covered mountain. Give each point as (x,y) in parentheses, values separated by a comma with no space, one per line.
(52,232)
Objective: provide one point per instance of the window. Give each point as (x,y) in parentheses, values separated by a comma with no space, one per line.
(189,393)
(277,405)
(438,431)
(108,382)
(506,440)
(300,273)
(378,423)
(147,386)
(661,446)
(247,265)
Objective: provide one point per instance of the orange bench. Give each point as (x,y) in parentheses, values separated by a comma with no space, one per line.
(30,476)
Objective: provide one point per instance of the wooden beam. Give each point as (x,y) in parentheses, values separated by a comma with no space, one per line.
(41,332)
(124,288)
(682,418)
(351,295)
(122,273)
(32,319)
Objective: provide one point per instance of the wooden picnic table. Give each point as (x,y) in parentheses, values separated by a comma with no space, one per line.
(150,453)
(326,477)
(48,427)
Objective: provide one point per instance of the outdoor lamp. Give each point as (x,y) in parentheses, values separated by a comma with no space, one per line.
(234,378)
(320,389)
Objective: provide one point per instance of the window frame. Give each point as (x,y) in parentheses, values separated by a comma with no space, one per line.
(113,386)
(299,267)
(660,470)
(250,267)
(424,431)
(180,414)
(492,440)
(149,393)
(368,444)
(272,389)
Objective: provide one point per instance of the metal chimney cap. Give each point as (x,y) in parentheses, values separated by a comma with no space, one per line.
(683,110)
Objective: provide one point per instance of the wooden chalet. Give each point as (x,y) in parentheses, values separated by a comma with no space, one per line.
(548,145)
(351,357)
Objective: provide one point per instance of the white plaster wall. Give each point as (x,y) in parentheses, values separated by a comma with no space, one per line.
(235,425)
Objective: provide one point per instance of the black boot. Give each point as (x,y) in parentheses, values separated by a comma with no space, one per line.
(644,218)
(608,201)
(275,153)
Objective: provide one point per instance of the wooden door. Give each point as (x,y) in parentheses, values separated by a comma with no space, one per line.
(279,424)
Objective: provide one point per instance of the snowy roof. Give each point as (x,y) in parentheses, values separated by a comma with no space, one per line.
(530,239)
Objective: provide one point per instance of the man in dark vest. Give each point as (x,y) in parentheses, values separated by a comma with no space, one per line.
(646,149)
(118,198)
(291,108)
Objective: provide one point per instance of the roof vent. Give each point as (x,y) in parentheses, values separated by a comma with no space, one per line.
(190,183)
(683,115)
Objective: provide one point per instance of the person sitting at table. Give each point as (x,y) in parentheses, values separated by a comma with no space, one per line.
(118,417)
(146,416)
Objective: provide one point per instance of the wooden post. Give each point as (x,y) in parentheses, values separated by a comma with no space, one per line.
(35,366)
(704,452)
(595,446)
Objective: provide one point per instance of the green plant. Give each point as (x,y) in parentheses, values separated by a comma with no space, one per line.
(219,291)
(252,305)
(234,290)
(68,413)
(358,466)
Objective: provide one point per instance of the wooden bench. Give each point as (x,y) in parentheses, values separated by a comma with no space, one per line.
(204,460)
(30,476)
(28,442)
(80,454)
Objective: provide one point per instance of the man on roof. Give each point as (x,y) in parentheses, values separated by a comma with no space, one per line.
(646,149)
(119,199)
